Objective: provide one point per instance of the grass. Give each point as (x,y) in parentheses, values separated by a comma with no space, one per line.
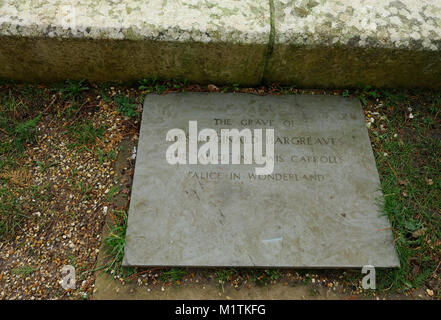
(263,277)
(85,133)
(126,105)
(16,132)
(408,155)
(18,129)
(173,275)
(104,156)
(149,85)
(115,241)
(84,189)
(11,215)
(23,271)
(113,191)
(224,275)
(72,90)
(260,277)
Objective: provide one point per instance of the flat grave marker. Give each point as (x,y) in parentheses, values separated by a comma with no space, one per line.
(319,206)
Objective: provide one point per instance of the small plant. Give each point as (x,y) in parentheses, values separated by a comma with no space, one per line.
(173,275)
(11,216)
(24,132)
(366,92)
(126,106)
(152,85)
(114,190)
(73,89)
(115,241)
(13,108)
(85,133)
(145,84)
(85,189)
(224,275)
(44,166)
(23,271)
(104,157)
(175,84)
(18,134)
(273,274)
(149,85)
(71,110)
(313,292)
(262,277)
(393,98)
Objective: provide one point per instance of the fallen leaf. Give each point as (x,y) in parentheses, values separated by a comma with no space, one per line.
(419,232)
(212,88)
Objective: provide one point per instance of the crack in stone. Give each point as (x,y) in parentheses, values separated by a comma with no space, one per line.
(270,46)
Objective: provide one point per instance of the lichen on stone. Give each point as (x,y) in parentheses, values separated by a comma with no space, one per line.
(400,24)
(244,21)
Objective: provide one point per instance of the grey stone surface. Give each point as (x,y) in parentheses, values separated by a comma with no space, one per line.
(309,43)
(318,209)
(244,21)
(405,24)
(333,43)
(222,41)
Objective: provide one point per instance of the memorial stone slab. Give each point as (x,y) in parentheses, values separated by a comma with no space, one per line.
(319,207)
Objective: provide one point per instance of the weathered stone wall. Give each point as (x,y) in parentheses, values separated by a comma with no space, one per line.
(309,43)
(49,59)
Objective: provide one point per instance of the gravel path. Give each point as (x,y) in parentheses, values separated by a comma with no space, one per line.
(64,192)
